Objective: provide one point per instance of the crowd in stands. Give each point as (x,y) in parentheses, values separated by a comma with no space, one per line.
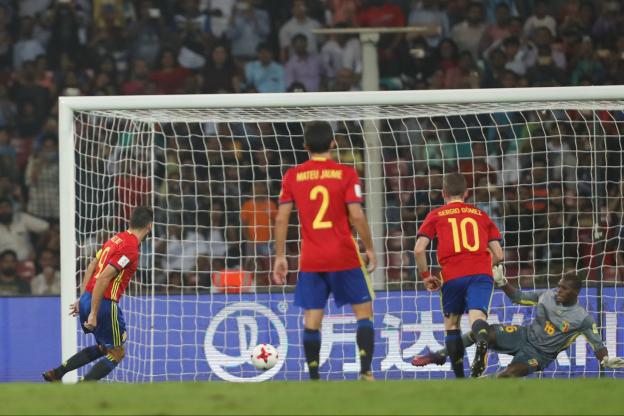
(538,187)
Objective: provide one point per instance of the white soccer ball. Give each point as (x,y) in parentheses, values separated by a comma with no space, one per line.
(264,356)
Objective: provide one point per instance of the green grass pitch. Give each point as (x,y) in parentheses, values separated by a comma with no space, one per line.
(481,397)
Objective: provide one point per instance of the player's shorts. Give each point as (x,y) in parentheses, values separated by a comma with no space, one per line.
(512,340)
(110,331)
(348,287)
(460,295)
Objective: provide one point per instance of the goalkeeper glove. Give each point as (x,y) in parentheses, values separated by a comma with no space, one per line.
(499,275)
(612,362)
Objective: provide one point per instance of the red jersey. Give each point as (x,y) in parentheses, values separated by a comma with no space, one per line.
(321,190)
(121,252)
(464,233)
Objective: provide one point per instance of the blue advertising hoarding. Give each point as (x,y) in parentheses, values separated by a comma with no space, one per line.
(210,337)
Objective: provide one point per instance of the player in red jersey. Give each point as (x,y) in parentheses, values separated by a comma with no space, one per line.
(328,197)
(103,284)
(468,246)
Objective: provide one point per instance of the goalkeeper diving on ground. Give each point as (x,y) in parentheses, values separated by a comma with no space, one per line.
(559,320)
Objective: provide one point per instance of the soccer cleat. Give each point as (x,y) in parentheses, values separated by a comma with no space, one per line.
(437,358)
(50,376)
(480,360)
(367,376)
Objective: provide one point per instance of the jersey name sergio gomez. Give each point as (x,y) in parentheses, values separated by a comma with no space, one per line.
(464,233)
(321,189)
(121,252)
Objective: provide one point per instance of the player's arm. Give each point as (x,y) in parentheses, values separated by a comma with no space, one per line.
(515,295)
(358,219)
(431,282)
(102,282)
(87,275)
(74,307)
(497,252)
(280,270)
(590,331)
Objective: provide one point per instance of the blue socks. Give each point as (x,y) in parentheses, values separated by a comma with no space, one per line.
(365,338)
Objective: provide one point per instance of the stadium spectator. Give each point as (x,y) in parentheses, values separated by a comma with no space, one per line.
(220,74)
(303,67)
(427,12)
(138,81)
(170,77)
(27,47)
(249,26)
(48,281)
(540,18)
(497,31)
(257,217)
(341,51)
(586,66)
(8,156)
(377,13)
(264,74)
(15,229)
(300,23)
(42,179)
(468,33)
(10,283)
(64,36)
(342,12)
(147,33)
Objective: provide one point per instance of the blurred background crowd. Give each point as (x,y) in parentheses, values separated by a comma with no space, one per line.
(535,172)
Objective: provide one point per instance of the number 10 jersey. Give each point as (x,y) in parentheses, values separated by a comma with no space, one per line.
(321,189)
(464,233)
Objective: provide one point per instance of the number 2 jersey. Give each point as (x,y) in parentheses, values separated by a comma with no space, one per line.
(556,326)
(464,233)
(321,189)
(121,252)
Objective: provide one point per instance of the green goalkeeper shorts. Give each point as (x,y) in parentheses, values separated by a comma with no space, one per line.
(512,340)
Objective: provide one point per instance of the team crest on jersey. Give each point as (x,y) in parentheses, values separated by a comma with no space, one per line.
(532,362)
(565,326)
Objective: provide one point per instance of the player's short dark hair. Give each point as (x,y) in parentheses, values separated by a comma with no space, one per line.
(141,217)
(454,184)
(573,280)
(8,252)
(318,136)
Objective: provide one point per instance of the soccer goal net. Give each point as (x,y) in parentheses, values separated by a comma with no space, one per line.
(545,164)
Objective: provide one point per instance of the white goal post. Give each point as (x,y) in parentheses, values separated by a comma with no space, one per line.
(364,106)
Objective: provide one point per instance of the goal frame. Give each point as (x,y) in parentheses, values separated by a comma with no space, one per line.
(374,205)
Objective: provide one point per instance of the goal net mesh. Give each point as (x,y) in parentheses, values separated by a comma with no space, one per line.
(548,173)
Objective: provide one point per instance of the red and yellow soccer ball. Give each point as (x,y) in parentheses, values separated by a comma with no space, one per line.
(264,356)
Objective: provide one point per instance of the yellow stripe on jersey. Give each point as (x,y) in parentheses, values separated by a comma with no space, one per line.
(367,278)
(490,302)
(527,303)
(115,326)
(116,284)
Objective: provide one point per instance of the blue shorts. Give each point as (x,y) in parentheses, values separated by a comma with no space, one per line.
(110,331)
(348,287)
(460,295)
